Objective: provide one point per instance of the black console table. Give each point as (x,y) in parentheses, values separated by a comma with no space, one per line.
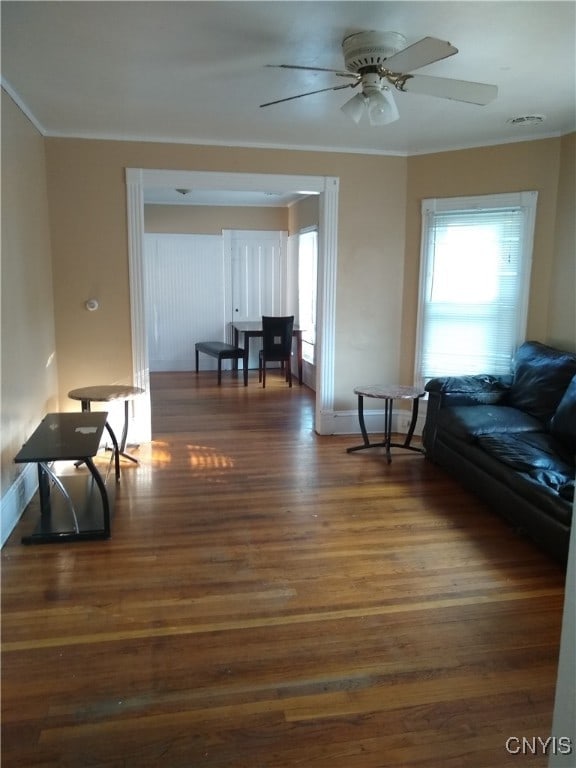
(82,508)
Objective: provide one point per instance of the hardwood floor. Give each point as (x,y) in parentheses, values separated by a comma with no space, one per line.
(268,601)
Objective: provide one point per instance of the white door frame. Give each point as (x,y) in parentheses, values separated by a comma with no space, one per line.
(139,179)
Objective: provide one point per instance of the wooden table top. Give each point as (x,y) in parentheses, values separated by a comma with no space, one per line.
(390,391)
(105,392)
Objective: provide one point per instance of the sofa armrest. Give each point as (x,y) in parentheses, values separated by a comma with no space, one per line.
(480,389)
(446,391)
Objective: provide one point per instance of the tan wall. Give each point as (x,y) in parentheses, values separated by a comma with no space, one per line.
(378,243)
(562,317)
(88,205)
(209,220)
(29,382)
(303,214)
(505,168)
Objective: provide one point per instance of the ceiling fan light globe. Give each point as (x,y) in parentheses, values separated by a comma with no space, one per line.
(355,107)
(382,109)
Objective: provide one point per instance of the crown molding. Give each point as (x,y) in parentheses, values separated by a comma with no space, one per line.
(22,106)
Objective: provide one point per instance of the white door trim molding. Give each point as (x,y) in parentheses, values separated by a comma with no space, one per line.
(138,179)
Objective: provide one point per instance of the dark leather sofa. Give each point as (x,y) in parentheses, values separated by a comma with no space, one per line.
(512,440)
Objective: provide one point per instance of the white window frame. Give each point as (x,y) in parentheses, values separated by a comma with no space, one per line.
(526,201)
(308,345)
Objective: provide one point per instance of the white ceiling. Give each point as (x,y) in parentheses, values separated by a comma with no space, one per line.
(195,72)
(217,197)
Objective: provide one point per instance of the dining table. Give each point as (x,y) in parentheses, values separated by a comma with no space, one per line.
(252,329)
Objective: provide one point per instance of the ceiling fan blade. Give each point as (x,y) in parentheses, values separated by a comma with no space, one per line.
(425,51)
(300,95)
(445,88)
(337,72)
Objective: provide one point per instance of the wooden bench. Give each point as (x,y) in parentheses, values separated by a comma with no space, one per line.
(220,351)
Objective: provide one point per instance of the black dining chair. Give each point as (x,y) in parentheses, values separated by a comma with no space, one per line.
(276,345)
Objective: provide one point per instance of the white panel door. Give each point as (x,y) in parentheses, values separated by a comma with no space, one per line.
(186,290)
(258,272)
(259,276)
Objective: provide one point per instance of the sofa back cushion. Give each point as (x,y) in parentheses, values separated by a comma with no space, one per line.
(541,377)
(563,423)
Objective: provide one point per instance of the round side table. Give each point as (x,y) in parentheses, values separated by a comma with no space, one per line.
(104,393)
(388,393)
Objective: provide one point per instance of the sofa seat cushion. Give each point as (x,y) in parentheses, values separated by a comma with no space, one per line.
(485,474)
(470,422)
(541,376)
(529,451)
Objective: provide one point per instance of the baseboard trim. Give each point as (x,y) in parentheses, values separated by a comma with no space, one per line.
(346,422)
(16,499)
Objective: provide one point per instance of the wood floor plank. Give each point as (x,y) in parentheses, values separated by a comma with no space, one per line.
(267,600)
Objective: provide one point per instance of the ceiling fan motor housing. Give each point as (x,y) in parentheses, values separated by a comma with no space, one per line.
(370,49)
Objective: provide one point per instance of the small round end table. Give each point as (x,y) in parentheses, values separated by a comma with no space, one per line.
(388,393)
(104,393)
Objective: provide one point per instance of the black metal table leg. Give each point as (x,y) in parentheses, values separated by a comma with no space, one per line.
(122,448)
(388,394)
(103,493)
(412,426)
(363,430)
(388,428)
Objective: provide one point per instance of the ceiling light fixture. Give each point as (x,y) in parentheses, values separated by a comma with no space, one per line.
(526,120)
(376,101)
(355,107)
(183,192)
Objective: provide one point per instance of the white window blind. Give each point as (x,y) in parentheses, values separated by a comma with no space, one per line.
(307,279)
(475,269)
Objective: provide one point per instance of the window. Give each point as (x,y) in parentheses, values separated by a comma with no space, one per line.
(307,275)
(474,280)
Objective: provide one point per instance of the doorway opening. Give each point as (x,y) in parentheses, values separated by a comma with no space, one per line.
(139,179)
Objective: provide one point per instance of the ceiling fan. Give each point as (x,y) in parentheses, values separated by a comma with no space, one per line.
(377,60)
